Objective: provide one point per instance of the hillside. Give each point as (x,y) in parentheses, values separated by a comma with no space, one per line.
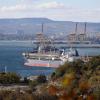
(32,26)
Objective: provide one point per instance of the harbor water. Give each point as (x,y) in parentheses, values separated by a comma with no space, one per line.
(11,57)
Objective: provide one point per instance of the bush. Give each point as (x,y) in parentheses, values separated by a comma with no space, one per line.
(41,79)
(26,80)
(9,78)
(94,62)
(33,84)
(68,67)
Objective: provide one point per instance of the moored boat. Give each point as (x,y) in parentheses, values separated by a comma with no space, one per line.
(50,58)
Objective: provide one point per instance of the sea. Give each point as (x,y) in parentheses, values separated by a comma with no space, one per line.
(11,58)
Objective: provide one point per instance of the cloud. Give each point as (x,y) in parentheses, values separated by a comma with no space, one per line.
(13,8)
(51,5)
(30,7)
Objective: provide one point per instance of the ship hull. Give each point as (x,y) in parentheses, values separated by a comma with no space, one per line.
(42,63)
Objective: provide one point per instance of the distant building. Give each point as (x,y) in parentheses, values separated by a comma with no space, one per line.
(81,37)
(72,37)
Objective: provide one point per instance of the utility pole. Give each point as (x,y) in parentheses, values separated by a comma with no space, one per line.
(5,69)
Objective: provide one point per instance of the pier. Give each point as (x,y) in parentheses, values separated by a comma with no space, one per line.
(75,44)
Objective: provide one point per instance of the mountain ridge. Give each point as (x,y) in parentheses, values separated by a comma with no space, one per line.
(33,25)
(39,18)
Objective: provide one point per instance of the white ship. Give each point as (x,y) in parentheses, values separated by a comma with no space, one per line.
(50,58)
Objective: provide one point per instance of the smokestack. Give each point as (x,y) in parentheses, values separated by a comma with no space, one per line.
(76,32)
(85,31)
(76,28)
(42,27)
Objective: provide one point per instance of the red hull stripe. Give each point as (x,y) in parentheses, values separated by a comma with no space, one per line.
(41,65)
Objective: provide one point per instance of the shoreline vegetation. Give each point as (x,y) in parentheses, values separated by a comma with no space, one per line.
(71,81)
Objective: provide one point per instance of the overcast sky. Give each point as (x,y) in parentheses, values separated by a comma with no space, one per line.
(69,10)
